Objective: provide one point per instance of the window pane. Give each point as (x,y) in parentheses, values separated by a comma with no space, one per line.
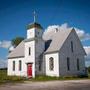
(68,63)
(78,68)
(71,46)
(51,63)
(29,50)
(13,65)
(40,63)
(20,65)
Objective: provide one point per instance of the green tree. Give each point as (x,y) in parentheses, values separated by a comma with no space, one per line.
(88,69)
(15,42)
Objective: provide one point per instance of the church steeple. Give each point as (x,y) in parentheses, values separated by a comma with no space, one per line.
(34,24)
(34,29)
(34,16)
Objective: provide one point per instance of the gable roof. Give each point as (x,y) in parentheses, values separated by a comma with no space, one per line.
(18,51)
(52,45)
(57,40)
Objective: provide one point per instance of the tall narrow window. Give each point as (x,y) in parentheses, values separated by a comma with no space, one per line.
(68,63)
(20,65)
(29,51)
(51,63)
(78,67)
(71,46)
(40,63)
(13,65)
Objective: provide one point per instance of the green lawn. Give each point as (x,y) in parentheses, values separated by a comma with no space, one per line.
(15,79)
(48,78)
(9,79)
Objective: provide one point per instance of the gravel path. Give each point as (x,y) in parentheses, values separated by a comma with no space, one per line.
(50,85)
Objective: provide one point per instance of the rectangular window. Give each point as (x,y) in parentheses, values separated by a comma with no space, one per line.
(71,46)
(78,68)
(13,65)
(20,65)
(29,51)
(68,63)
(40,63)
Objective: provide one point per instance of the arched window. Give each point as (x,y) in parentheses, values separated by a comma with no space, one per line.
(20,65)
(51,63)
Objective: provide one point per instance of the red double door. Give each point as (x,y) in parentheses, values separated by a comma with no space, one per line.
(29,70)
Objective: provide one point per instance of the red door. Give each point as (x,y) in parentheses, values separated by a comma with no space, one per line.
(29,70)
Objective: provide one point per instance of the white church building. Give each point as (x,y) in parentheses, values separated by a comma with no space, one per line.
(62,55)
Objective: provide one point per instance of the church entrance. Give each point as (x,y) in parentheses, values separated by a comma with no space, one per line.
(29,69)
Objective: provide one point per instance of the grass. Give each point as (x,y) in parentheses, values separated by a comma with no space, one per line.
(48,78)
(9,79)
(15,79)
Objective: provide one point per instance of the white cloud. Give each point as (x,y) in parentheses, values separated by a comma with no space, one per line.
(3,63)
(87,49)
(82,35)
(51,30)
(87,58)
(5,44)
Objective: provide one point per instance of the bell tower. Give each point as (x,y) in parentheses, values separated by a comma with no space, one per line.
(34,29)
(34,45)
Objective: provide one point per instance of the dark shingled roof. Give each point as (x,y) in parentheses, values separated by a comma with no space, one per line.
(34,25)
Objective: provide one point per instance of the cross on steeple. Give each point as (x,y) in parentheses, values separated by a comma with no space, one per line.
(34,16)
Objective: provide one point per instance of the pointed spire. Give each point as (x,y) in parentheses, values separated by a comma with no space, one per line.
(34,24)
(34,16)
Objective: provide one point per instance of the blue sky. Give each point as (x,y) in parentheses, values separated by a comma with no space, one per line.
(15,15)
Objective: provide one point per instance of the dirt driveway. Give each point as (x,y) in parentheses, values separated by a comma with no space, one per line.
(50,85)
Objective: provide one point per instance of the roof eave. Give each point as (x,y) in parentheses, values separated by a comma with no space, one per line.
(49,52)
(16,57)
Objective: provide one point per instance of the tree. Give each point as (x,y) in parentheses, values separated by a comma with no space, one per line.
(88,69)
(15,42)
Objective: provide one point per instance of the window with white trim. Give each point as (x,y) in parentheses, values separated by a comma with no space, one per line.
(29,51)
(51,64)
(20,65)
(13,65)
